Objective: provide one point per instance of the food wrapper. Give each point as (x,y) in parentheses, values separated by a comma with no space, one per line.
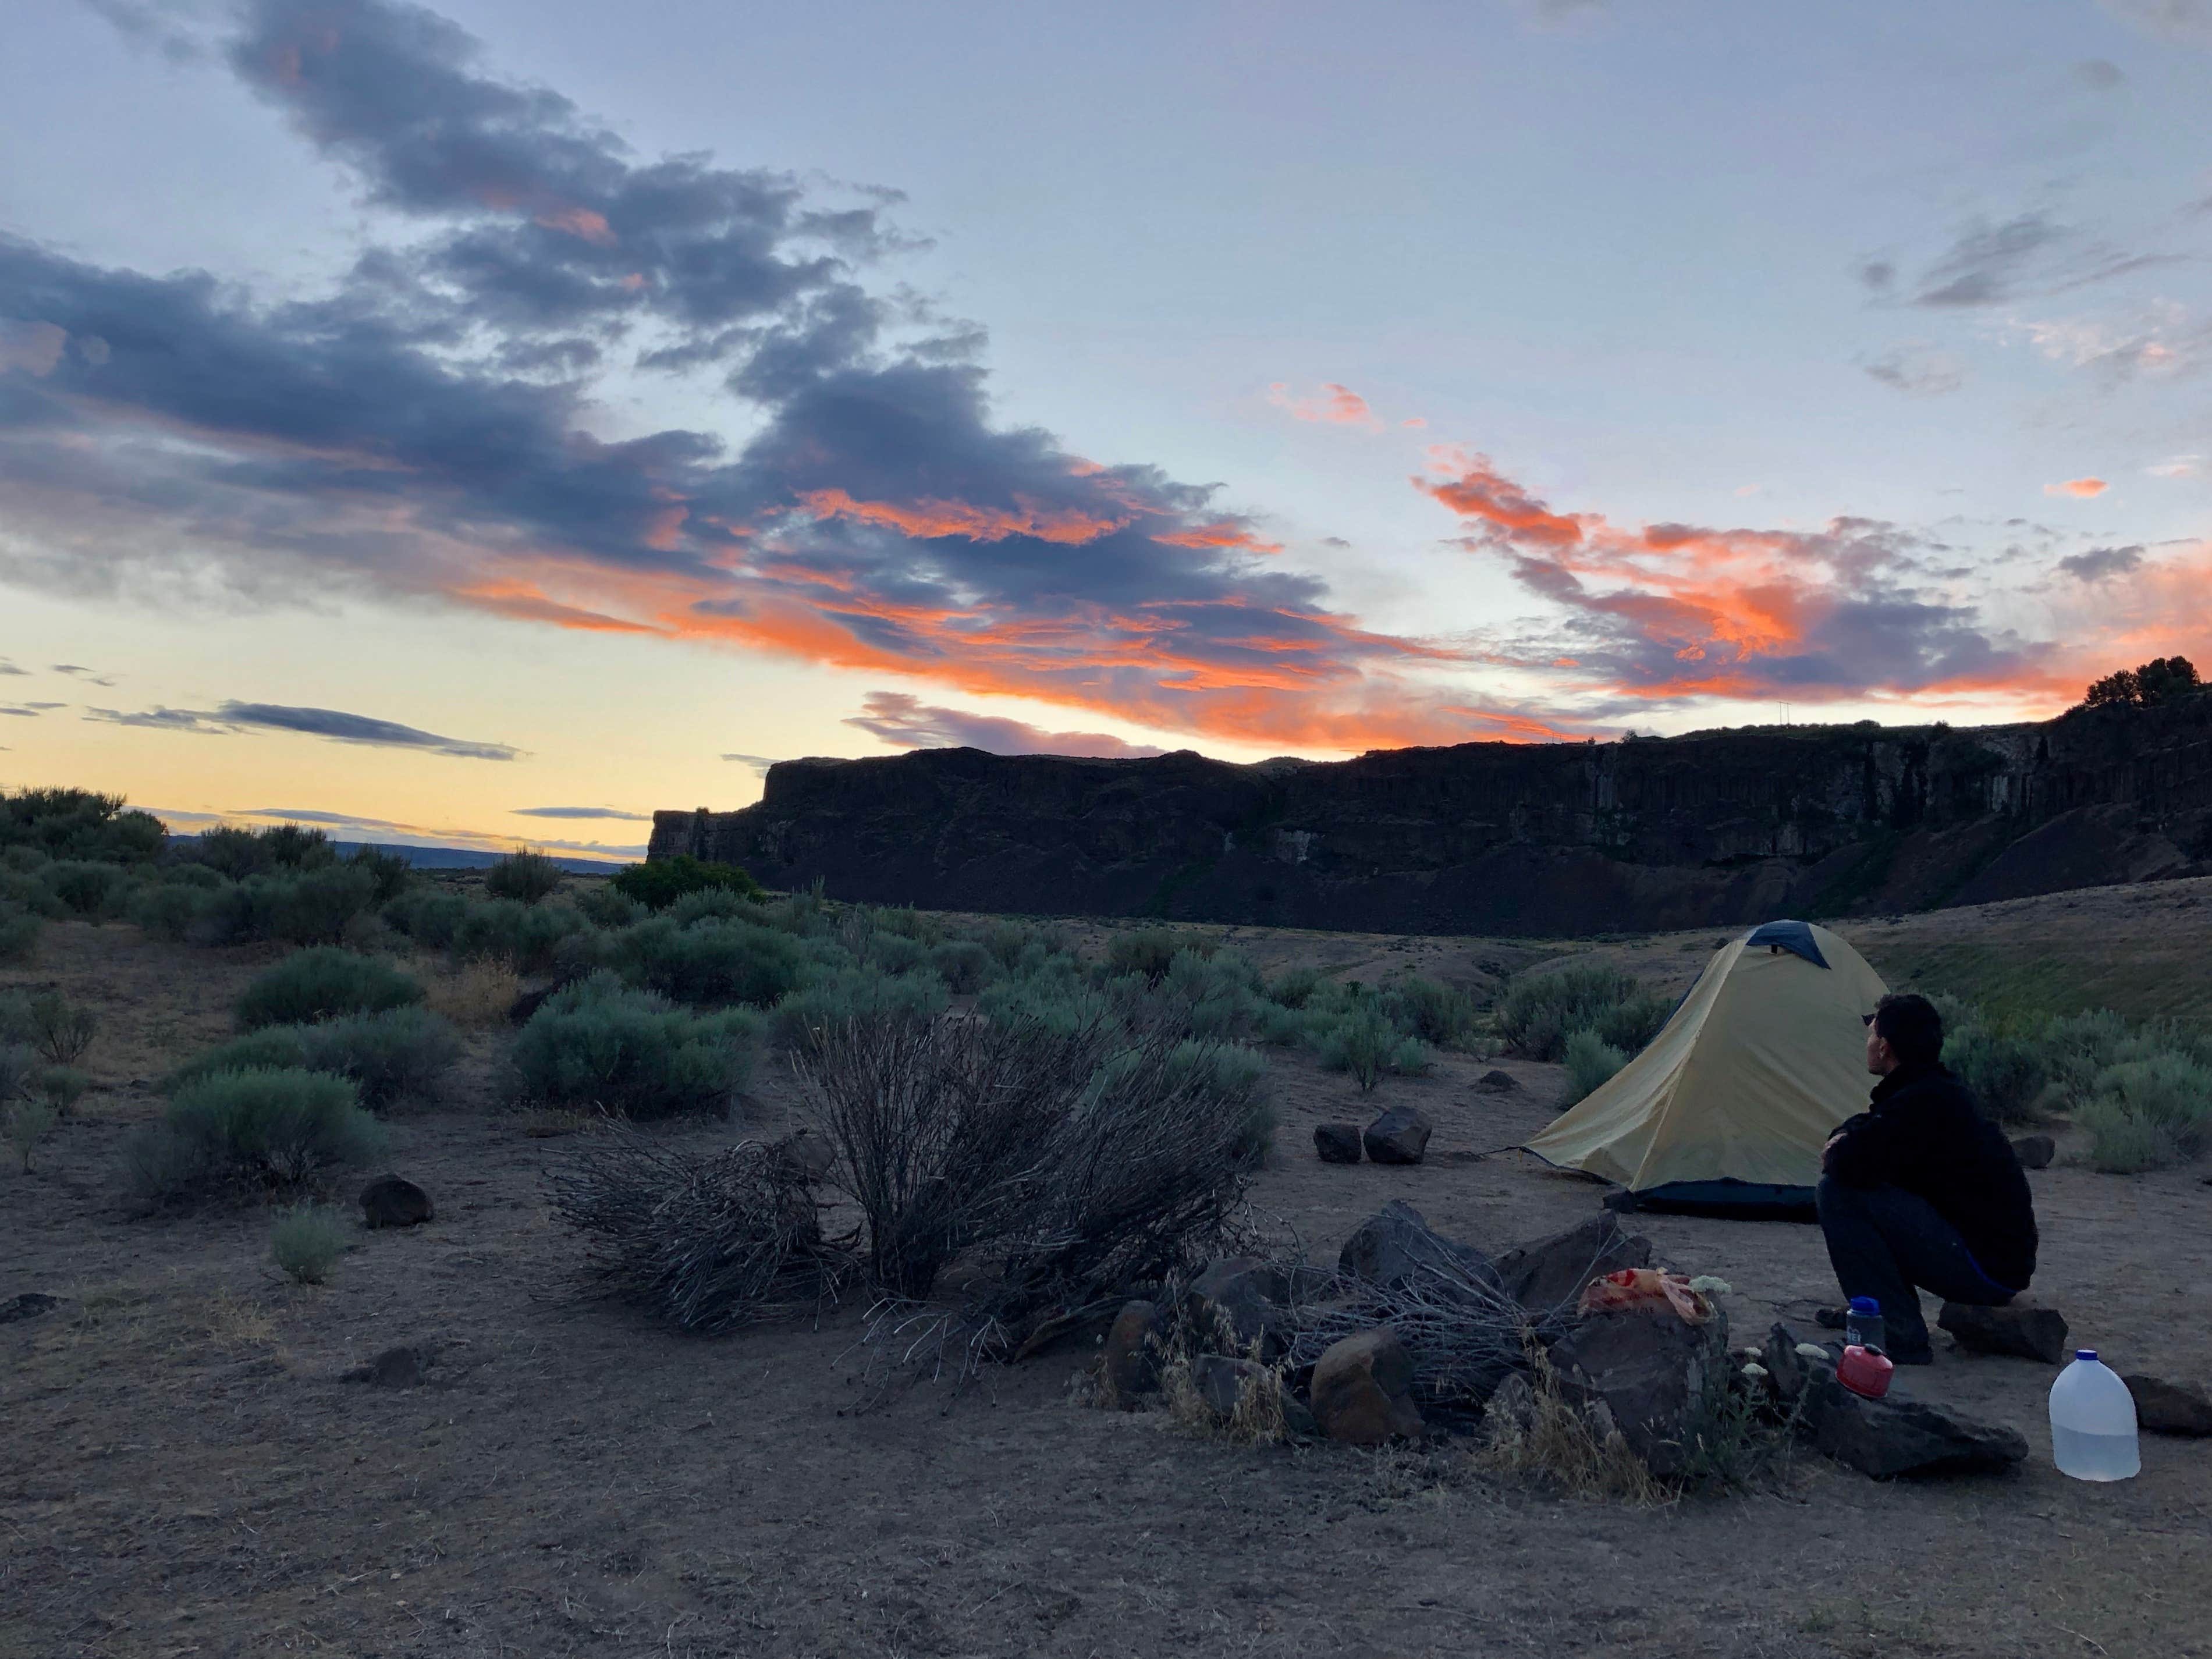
(1644,1290)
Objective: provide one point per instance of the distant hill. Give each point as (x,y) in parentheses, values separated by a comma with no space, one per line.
(459,858)
(1534,840)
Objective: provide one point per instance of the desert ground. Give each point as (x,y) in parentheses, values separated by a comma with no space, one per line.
(183,1471)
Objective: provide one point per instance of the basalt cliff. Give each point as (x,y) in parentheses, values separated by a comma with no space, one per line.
(1715,828)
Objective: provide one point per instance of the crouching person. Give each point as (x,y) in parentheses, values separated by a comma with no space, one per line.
(1921,1191)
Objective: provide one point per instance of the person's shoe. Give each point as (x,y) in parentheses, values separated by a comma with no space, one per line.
(1919,1357)
(1830,1319)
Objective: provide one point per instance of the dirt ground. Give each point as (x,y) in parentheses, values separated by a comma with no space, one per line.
(182,1472)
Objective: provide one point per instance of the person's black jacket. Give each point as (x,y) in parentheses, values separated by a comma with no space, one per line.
(1925,1134)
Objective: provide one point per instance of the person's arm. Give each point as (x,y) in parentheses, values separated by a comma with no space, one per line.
(1858,1153)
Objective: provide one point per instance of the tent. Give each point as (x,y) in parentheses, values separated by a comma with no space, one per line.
(1727,1109)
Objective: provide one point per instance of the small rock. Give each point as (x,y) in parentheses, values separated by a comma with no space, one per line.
(27,1305)
(1394,1245)
(1130,1363)
(1652,1371)
(1542,1275)
(1895,1435)
(2164,1407)
(2035,1151)
(808,1153)
(1400,1135)
(1787,1364)
(1239,1301)
(2023,1328)
(1337,1143)
(1496,1083)
(1222,1379)
(395,1368)
(389,1201)
(1363,1389)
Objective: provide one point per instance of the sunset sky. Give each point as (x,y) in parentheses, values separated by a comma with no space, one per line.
(490,423)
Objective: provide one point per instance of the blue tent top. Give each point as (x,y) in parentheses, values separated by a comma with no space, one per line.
(1794,937)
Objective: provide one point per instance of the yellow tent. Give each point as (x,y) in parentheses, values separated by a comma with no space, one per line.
(1727,1108)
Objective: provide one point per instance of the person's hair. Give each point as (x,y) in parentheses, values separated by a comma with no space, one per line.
(1912,1027)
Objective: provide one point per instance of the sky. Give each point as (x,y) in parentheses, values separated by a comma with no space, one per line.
(491,422)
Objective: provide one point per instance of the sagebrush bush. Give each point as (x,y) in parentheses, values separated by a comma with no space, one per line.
(61,1030)
(600,1045)
(1590,1061)
(307,907)
(86,888)
(1061,1004)
(389,1055)
(707,904)
(19,932)
(839,998)
(1539,1012)
(307,1242)
(523,876)
(323,983)
(78,824)
(1294,986)
(526,936)
(710,964)
(391,871)
(1361,1043)
(238,853)
(2006,1073)
(273,1047)
(166,910)
(660,883)
(429,915)
(62,1087)
(965,965)
(280,1128)
(1430,1010)
(894,953)
(1233,1076)
(1152,950)
(2147,1113)
(605,905)
(24,1123)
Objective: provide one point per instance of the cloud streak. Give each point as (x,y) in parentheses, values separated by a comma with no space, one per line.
(907,722)
(581,812)
(334,724)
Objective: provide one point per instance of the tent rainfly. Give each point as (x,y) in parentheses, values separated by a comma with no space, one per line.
(1726,1111)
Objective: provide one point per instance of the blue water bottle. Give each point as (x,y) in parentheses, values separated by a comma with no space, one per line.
(1863,1326)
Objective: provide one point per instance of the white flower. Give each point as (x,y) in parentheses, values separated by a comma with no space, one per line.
(1755,1370)
(1706,1285)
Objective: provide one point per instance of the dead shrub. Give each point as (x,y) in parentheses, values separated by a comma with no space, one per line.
(475,993)
(710,1243)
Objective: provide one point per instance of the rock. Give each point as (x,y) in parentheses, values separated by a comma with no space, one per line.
(2035,1151)
(1337,1143)
(527,1003)
(1896,1435)
(2164,1407)
(389,1201)
(1395,1245)
(808,1153)
(1222,1379)
(2023,1328)
(1495,1083)
(1400,1135)
(1238,1301)
(1651,1371)
(1511,1406)
(395,1368)
(1363,1389)
(1788,1368)
(1129,1366)
(1552,1271)
(29,1304)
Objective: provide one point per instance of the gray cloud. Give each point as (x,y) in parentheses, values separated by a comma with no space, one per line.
(1918,370)
(28,714)
(2099,72)
(758,764)
(2186,20)
(580,812)
(2028,254)
(79,672)
(2101,563)
(11,668)
(334,724)
(907,721)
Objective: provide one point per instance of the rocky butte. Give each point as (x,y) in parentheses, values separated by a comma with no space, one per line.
(1714,828)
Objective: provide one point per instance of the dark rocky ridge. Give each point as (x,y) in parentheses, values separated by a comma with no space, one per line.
(1535,839)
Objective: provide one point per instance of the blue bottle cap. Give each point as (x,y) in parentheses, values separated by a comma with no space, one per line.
(2089,1354)
(1865,1304)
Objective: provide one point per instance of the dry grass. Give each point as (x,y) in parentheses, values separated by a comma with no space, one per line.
(1543,1437)
(546,1122)
(228,1321)
(473,996)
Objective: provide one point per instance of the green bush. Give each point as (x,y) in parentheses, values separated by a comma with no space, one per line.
(855,994)
(29,891)
(1430,1010)
(894,953)
(60,1030)
(707,904)
(306,1242)
(1539,1012)
(387,1056)
(88,889)
(708,965)
(660,883)
(1294,986)
(1361,1043)
(1061,1004)
(309,906)
(1590,1060)
(965,965)
(391,871)
(605,905)
(62,1086)
(1232,1076)
(77,823)
(19,932)
(239,854)
(526,936)
(431,916)
(166,910)
(600,1045)
(2147,1113)
(24,1123)
(1152,950)
(523,876)
(2005,1074)
(274,1127)
(321,984)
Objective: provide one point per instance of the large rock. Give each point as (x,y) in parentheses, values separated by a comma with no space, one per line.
(1653,1371)
(1337,1143)
(2023,1328)
(1495,1082)
(1363,1389)
(1238,1302)
(1399,1135)
(27,1304)
(1897,1435)
(1552,1271)
(395,1368)
(1394,1246)
(1129,1360)
(2164,1407)
(390,1202)
(2034,1152)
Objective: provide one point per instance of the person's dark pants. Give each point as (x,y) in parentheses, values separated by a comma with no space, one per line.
(1883,1242)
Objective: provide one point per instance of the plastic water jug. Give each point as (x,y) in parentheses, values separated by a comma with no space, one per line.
(1862,1326)
(2093,1422)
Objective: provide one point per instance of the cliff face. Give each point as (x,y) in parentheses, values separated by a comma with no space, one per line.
(1556,839)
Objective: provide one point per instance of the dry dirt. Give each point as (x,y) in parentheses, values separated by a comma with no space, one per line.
(182,1472)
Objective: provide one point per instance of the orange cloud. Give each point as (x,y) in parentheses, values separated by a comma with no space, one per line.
(2081,488)
(928,518)
(1334,405)
(1481,492)
(1227,534)
(578,221)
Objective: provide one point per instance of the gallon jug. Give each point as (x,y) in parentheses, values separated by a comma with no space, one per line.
(2093,1422)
